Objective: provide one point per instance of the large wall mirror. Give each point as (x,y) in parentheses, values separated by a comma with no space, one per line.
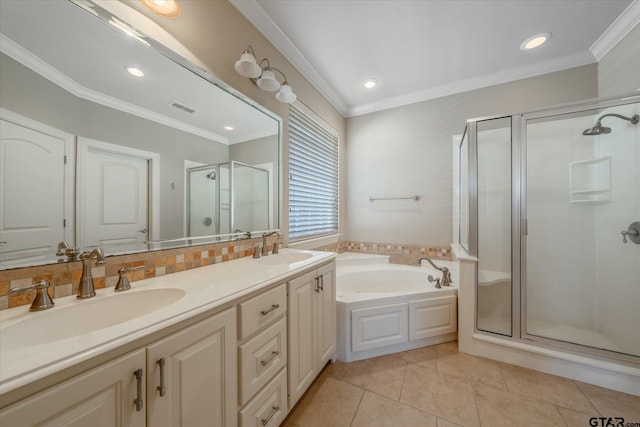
(94,154)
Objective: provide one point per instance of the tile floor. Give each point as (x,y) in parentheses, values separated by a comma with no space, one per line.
(439,387)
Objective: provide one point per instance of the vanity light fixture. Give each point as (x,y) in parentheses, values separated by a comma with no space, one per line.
(535,41)
(263,75)
(166,8)
(135,71)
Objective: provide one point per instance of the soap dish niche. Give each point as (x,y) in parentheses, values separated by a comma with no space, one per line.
(590,181)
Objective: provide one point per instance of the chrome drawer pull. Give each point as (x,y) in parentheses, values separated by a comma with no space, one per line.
(266,362)
(161,388)
(273,307)
(139,403)
(265,421)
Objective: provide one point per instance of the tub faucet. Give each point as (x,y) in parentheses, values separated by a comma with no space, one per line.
(86,288)
(446,274)
(265,248)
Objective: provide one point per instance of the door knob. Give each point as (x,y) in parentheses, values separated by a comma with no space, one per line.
(143,231)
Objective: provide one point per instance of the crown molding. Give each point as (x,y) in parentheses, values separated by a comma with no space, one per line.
(617,30)
(504,76)
(252,136)
(29,60)
(256,15)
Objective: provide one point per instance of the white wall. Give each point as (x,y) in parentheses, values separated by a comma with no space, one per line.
(407,150)
(619,69)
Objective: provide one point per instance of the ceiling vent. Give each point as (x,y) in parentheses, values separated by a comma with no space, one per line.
(183,107)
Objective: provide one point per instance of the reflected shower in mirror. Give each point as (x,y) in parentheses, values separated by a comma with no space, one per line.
(97,154)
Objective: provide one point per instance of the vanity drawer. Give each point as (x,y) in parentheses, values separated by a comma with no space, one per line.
(260,358)
(261,310)
(269,407)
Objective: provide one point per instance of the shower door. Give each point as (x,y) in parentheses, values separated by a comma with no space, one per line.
(581,277)
(203,201)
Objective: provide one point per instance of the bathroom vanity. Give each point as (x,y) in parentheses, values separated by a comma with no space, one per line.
(229,344)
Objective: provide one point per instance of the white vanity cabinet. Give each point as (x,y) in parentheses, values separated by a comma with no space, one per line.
(262,356)
(101,397)
(312,327)
(191,375)
(199,378)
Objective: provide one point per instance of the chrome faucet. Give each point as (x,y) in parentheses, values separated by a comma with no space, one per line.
(86,289)
(42,300)
(65,250)
(265,248)
(446,274)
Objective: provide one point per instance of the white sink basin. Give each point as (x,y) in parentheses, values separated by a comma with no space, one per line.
(281,259)
(85,316)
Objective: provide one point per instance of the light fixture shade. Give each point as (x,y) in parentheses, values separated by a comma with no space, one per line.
(246,66)
(267,81)
(286,94)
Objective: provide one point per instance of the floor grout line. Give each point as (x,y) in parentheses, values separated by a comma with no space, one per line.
(355,413)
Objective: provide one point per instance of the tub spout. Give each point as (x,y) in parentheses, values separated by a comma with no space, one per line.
(446,274)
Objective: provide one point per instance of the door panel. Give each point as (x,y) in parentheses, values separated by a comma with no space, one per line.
(114,197)
(31,194)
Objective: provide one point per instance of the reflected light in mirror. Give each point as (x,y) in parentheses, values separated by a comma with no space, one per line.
(166,8)
(135,71)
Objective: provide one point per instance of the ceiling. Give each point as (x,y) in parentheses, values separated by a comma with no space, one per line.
(420,50)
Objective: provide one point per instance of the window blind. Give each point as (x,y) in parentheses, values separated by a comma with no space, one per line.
(313,175)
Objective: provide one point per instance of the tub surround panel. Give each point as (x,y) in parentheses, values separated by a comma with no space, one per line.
(65,276)
(399,253)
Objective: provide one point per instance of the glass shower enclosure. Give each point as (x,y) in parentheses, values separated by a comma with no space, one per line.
(554,219)
(228,197)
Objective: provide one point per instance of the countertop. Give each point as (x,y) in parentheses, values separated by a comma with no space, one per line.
(22,362)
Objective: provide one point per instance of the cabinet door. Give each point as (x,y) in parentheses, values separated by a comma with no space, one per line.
(200,375)
(302,334)
(103,396)
(326,315)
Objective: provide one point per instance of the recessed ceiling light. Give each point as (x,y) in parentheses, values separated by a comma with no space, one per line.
(135,71)
(370,83)
(535,41)
(229,128)
(166,8)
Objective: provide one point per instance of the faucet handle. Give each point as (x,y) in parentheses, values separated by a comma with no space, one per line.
(123,282)
(256,251)
(276,248)
(437,280)
(42,300)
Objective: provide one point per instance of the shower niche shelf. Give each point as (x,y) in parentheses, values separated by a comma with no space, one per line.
(590,181)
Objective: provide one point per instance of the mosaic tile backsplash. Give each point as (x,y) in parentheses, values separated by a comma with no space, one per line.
(64,277)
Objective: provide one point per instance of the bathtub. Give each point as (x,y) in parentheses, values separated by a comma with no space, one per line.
(385,308)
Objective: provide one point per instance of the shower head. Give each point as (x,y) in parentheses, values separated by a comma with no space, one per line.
(598,129)
(212,175)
